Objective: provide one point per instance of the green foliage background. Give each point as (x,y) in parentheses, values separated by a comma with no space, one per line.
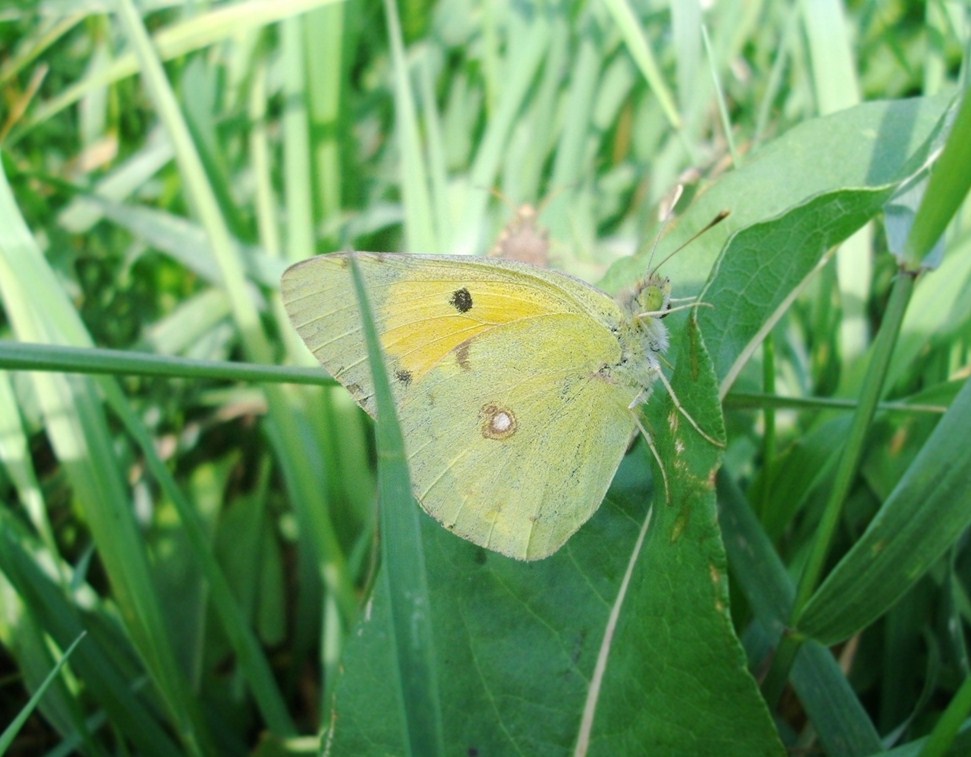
(209,529)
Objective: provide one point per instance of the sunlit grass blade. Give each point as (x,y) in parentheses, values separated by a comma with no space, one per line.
(519,68)
(196,32)
(643,56)
(78,430)
(94,360)
(420,235)
(298,188)
(98,480)
(307,496)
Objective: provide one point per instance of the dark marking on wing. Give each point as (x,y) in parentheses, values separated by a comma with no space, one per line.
(498,422)
(461,300)
(462,355)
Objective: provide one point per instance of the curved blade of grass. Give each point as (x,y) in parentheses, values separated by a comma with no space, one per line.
(833,707)
(634,38)
(11,731)
(420,234)
(846,467)
(78,430)
(527,52)
(120,548)
(945,732)
(106,664)
(415,666)
(925,514)
(26,356)
(949,184)
(193,33)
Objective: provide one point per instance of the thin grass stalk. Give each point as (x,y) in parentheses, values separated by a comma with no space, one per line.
(845,474)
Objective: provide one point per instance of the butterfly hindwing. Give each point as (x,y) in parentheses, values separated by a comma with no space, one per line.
(515,449)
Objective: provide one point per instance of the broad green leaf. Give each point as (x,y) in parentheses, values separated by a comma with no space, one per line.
(541,658)
(862,150)
(672,619)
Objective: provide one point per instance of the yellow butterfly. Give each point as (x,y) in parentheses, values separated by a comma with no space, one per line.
(515,386)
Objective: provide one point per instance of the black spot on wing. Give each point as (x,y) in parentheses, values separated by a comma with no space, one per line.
(461,300)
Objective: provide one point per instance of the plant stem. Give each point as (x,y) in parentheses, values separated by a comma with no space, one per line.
(870,393)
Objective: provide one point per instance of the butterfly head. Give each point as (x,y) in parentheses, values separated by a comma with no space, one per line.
(652,297)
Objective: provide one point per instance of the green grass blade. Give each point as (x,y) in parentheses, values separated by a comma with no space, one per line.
(107,665)
(97,360)
(196,32)
(846,470)
(79,433)
(420,234)
(299,189)
(941,740)
(640,51)
(948,187)
(526,54)
(832,706)
(922,518)
(13,728)
(285,433)
(415,665)
(330,42)
(829,48)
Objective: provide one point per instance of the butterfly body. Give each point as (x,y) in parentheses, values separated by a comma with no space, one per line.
(514,385)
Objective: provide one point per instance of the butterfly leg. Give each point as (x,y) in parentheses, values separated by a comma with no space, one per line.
(680,407)
(657,455)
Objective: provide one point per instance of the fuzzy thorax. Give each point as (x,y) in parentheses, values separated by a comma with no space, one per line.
(643,337)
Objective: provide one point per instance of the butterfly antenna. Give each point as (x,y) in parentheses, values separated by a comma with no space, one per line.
(499,194)
(539,207)
(721,216)
(665,214)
